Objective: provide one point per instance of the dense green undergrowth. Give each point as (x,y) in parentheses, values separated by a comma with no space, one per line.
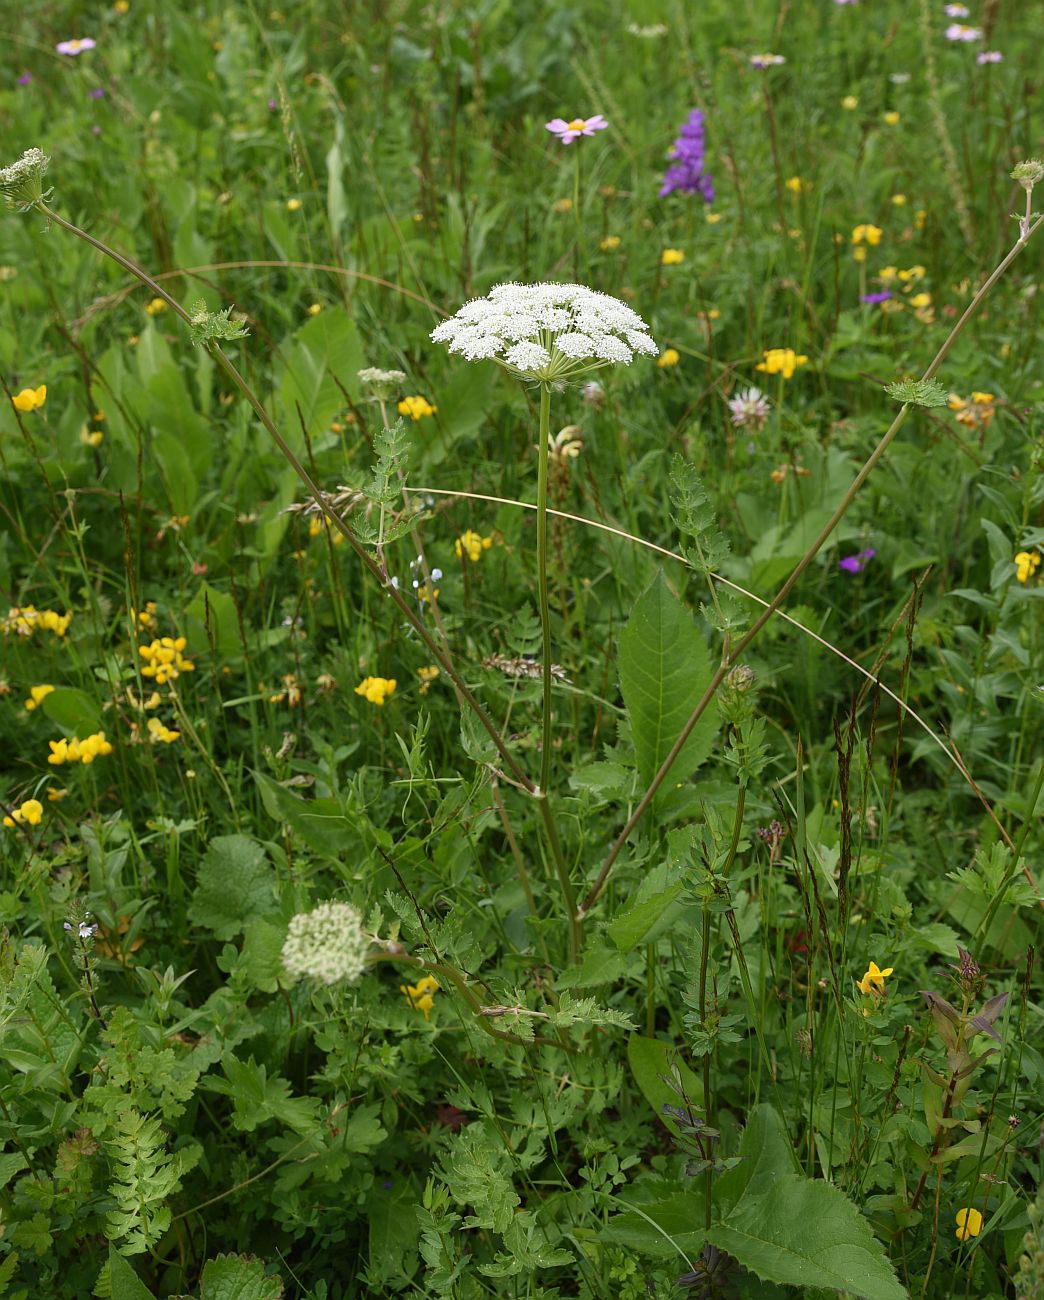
(772,1030)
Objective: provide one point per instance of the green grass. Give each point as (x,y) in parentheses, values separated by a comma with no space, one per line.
(179,1114)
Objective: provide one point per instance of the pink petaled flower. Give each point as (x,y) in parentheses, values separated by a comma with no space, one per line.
(750,409)
(989,56)
(958,32)
(567,132)
(956,11)
(75,47)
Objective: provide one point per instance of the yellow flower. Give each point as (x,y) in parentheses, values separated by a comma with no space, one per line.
(609,243)
(872,234)
(78,751)
(121,6)
(912,274)
(712,218)
(874,980)
(27,619)
(419,995)
(29,814)
(416,407)
(849,102)
(920,217)
(293,205)
(36,694)
(164,660)
(470,542)
(969,1223)
(161,734)
(56,793)
(563,205)
(891,118)
(315,309)
(91,437)
(669,357)
(859,253)
(923,300)
(30,399)
(672,257)
(795,184)
(1026,565)
(899,200)
(427,676)
(154,307)
(376,689)
(781,361)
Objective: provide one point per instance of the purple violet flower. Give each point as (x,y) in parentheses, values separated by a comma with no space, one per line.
(874,298)
(686,172)
(857,563)
(25,79)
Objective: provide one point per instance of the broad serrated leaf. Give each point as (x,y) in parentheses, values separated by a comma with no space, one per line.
(918,392)
(797,1231)
(665,667)
(236,882)
(238,1277)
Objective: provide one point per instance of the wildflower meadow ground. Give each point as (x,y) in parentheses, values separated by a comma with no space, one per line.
(521,651)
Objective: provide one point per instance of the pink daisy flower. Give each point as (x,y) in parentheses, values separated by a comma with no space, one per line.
(958,32)
(567,132)
(75,47)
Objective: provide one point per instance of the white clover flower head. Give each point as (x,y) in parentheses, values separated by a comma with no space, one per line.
(549,332)
(327,944)
(22,183)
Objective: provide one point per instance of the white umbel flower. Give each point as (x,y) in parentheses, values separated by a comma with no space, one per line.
(546,331)
(22,183)
(327,944)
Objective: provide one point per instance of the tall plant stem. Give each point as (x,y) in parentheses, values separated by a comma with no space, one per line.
(731,658)
(365,558)
(544,784)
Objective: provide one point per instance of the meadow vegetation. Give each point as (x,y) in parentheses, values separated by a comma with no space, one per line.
(528,791)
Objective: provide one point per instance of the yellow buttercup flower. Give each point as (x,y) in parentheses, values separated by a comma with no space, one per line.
(36,694)
(899,200)
(874,980)
(795,184)
(969,1223)
(781,361)
(672,257)
(315,309)
(1026,565)
(609,243)
(376,689)
(669,357)
(30,399)
(155,306)
(849,102)
(416,407)
(293,205)
(29,814)
(420,995)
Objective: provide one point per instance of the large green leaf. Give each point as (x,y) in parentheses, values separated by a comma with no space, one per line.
(326,350)
(236,882)
(73,710)
(652,1061)
(794,1230)
(664,669)
(319,823)
(238,1277)
(124,1283)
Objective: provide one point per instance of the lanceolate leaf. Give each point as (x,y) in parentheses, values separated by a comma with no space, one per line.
(665,667)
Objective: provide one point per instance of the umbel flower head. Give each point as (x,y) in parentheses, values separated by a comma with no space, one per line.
(546,331)
(22,183)
(327,944)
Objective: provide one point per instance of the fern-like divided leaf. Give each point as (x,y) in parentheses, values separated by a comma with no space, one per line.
(146,1175)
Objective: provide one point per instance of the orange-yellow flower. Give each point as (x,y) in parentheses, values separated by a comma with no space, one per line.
(30,399)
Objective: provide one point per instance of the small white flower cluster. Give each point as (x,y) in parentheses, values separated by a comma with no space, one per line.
(22,183)
(327,944)
(546,331)
(383,382)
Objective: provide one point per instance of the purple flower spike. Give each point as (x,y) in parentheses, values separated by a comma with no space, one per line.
(872,298)
(25,79)
(857,563)
(686,172)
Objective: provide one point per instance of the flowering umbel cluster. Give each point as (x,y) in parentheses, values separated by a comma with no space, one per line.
(546,331)
(22,183)
(327,944)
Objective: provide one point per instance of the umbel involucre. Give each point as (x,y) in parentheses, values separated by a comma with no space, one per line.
(547,331)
